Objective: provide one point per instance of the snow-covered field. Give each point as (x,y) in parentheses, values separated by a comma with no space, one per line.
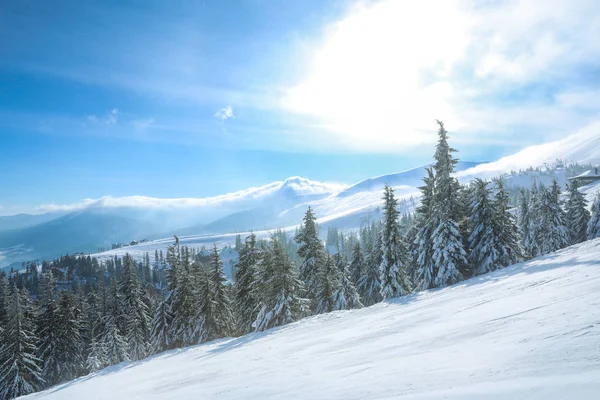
(531,331)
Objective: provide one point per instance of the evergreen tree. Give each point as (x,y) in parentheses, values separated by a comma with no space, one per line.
(509,248)
(246,300)
(393,276)
(216,311)
(357,264)
(482,241)
(593,230)
(183,298)
(96,359)
(113,332)
(554,233)
(312,252)
(577,214)
(528,240)
(20,371)
(70,342)
(161,323)
(48,331)
(369,285)
(422,246)
(328,283)
(346,296)
(281,300)
(137,318)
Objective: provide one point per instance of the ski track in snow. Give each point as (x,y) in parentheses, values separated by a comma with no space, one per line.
(530,331)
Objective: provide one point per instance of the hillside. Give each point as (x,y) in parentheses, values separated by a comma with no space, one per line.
(530,331)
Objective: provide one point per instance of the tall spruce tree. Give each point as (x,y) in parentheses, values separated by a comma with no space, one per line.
(577,214)
(509,247)
(48,332)
(161,336)
(312,252)
(20,371)
(554,233)
(346,296)
(246,299)
(137,318)
(216,311)
(357,265)
(328,283)
(393,268)
(369,285)
(70,342)
(422,246)
(483,237)
(281,299)
(449,255)
(528,241)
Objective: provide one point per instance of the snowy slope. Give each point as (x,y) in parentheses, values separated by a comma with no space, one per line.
(531,331)
(582,147)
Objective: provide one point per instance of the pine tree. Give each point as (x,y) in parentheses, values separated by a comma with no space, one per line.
(137,319)
(96,359)
(312,252)
(449,255)
(528,241)
(554,233)
(577,214)
(48,331)
(183,298)
(114,328)
(346,296)
(593,230)
(161,339)
(393,276)
(328,283)
(20,371)
(246,301)
(216,312)
(369,286)
(422,246)
(509,248)
(281,300)
(357,264)
(482,240)
(70,342)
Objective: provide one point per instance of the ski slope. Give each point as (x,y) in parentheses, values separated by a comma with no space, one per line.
(530,331)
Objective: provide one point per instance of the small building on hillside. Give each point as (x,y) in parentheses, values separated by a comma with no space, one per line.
(587,177)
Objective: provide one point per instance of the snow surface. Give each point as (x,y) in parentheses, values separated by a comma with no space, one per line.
(530,331)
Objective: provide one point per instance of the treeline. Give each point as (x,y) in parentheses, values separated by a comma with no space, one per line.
(127,310)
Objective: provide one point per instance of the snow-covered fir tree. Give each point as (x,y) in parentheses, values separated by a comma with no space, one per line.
(357,265)
(393,268)
(70,341)
(369,285)
(281,299)
(185,324)
(245,288)
(215,302)
(161,336)
(577,214)
(528,240)
(48,332)
(509,247)
(96,359)
(448,253)
(137,318)
(312,253)
(593,230)
(482,240)
(20,371)
(328,283)
(346,296)
(114,328)
(422,246)
(554,232)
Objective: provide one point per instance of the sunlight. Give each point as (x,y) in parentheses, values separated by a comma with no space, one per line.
(380,75)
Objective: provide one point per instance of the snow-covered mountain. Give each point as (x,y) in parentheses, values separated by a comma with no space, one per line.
(527,332)
(276,205)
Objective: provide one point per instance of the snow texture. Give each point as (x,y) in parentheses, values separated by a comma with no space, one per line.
(529,331)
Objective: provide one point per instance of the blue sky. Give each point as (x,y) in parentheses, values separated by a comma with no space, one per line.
(198,98)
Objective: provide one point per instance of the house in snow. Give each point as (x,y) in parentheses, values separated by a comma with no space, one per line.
(587,177)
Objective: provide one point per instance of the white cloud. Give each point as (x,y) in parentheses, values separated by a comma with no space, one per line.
(224,113)
(111,118)
(385,72)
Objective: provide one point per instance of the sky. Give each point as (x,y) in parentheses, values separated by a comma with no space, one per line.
(199,98)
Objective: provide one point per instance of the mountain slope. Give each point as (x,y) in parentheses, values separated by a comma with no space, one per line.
(530,331)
